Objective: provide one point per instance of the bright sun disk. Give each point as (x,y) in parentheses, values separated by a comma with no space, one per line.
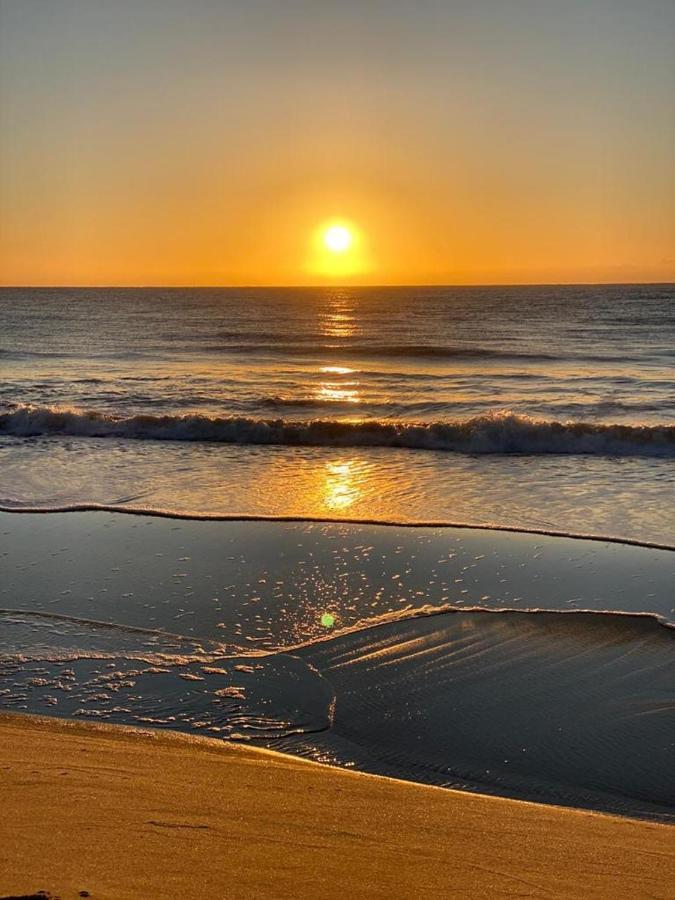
(337,238)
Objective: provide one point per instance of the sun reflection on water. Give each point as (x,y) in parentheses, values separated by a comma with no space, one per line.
(338,318)
(336,389)
(341,488)
(338,324)
(347,392)
(336,370)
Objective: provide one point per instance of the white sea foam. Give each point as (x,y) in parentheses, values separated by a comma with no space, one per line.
(497,433)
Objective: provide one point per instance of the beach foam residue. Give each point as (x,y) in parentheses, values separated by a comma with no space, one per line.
(410,696)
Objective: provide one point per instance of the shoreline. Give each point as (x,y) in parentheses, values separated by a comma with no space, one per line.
(191,516)
(234,611)
(131,813)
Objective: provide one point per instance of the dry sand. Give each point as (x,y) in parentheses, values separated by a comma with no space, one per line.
(123,814)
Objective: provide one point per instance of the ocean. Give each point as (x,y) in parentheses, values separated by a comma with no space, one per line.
(534,407)
(419,532)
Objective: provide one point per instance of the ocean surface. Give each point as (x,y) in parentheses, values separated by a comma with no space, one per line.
(536,407)
(488,600)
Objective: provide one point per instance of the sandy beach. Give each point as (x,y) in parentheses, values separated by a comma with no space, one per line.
(127,814)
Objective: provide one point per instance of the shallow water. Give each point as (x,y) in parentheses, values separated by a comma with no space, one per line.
(268,583)
(533,705)
(416,653)
(620,496)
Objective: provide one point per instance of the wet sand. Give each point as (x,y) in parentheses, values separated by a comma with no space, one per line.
(124,814)
(452,657)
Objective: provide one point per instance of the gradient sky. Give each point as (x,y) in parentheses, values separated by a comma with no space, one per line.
(205,141)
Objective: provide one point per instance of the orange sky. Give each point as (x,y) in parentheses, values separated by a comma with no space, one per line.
(483,142)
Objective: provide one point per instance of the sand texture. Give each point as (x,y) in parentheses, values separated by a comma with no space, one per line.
(123,814)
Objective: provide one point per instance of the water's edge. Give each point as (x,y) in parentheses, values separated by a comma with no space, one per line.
(330,520)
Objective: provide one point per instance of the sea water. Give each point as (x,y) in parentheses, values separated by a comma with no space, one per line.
(510,656)
(545,407)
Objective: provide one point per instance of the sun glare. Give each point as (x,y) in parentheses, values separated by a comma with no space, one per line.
(337,238)
(338,252)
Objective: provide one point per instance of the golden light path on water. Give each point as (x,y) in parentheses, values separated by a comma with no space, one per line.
(339,322)
(340,319)
(339,392)
(341,485)
(342,477)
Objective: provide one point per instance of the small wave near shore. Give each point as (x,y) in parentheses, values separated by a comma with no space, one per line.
(406,696)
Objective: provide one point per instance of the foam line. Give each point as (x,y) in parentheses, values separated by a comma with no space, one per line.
(328,520)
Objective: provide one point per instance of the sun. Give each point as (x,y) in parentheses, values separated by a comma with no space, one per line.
(338,250)
(337,238)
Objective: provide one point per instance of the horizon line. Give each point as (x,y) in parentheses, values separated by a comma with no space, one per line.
(477,284)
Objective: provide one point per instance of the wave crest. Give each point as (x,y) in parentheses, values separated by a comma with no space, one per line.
(497,432)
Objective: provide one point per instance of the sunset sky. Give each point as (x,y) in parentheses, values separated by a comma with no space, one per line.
(212,142)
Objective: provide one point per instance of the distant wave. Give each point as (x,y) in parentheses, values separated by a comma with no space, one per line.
(37,354)
(501,432)
(372,349)
(317,346)
(423,406)
(293,346)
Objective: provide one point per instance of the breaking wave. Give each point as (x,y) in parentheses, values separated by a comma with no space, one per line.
(496,432)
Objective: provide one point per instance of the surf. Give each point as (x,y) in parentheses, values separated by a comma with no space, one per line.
(494,433)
